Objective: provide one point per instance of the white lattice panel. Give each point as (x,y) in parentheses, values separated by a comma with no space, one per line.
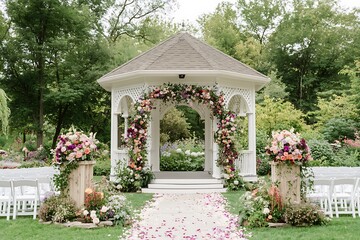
(134,93)
(230,92)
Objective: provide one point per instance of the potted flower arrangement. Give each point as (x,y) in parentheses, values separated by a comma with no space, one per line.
(289,154)
(73,156)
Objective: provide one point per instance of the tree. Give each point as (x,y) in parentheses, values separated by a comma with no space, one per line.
(220,30)
(4,111)
(174,126)
(260,18)
(354,97)
(335,107)
(310,47)
(116,18)
(276,114)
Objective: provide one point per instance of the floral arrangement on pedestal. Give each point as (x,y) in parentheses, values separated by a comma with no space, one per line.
(137,132)
(71,148)
(288,147)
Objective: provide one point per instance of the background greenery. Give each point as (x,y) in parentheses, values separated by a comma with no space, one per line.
(54,51)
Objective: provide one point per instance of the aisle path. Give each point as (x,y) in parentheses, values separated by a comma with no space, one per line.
(185,216)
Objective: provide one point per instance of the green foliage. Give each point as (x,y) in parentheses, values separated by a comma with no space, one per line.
(102,168)
(261,205)
(181,161)
(4,111)
(321,152)
(57,209)
(304,214)
(235,183)
(183,155)
(174,126)
(129,180)
(305,49)
(276,89)
(197,125)
(354,74)
(334,107)
(338,129)
(61,180)
(273,115)
(220,28)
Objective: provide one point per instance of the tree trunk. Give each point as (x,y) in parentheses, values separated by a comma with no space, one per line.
(61,115)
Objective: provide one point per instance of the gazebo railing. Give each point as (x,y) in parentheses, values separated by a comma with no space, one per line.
(117,156)
(246,164)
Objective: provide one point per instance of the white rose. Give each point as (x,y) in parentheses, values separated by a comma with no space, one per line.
(93,214)
(104,209)
(96,220)
(85,212)
(266,211)
(178,150)
(236,182)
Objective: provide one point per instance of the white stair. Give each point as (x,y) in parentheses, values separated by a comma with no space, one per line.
(184,184)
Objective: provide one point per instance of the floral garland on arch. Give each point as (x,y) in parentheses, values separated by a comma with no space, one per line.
(137,133)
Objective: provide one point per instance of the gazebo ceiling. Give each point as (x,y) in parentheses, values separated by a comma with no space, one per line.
(182,54)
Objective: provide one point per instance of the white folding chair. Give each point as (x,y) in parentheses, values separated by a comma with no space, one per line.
(26,197)
(344,196)
(5,198)
(357,195)
(321,194)
(45,187)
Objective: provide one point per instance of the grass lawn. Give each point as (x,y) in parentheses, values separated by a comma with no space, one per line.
(345,227)
(26,228)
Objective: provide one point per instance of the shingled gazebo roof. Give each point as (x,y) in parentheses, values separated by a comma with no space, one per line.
(183,52)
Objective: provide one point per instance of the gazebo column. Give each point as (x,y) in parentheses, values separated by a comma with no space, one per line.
(216,169)
(251,161)
(155,140)
(209,139)
(113,147)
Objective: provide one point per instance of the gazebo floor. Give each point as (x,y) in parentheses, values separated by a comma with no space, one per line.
(184,182)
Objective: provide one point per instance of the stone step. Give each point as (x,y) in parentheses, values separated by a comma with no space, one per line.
(187,181)
(183,191)
(185,186)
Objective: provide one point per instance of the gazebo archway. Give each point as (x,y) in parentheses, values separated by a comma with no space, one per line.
(183,59)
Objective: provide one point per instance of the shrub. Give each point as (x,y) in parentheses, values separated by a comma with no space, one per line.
(130,181)
(260,206)
(321,152)
(235,183)
(182,161)
(102,168)
(263,166)
(57,209)
(304,214)
(338,129)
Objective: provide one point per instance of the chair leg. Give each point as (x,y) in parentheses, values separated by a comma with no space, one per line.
(15,210)
(8,211)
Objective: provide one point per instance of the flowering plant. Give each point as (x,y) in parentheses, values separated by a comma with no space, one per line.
(137,132)
(261,205)
(287,146)
(74,146)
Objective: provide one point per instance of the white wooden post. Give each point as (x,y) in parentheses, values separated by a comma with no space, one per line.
(216,169)
(209,139)
(252,144)
(114,138)
(155,140)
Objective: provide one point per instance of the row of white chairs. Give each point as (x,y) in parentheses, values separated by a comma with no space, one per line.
(336,195)
(23,196)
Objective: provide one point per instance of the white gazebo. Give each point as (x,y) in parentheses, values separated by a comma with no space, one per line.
(183,59)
